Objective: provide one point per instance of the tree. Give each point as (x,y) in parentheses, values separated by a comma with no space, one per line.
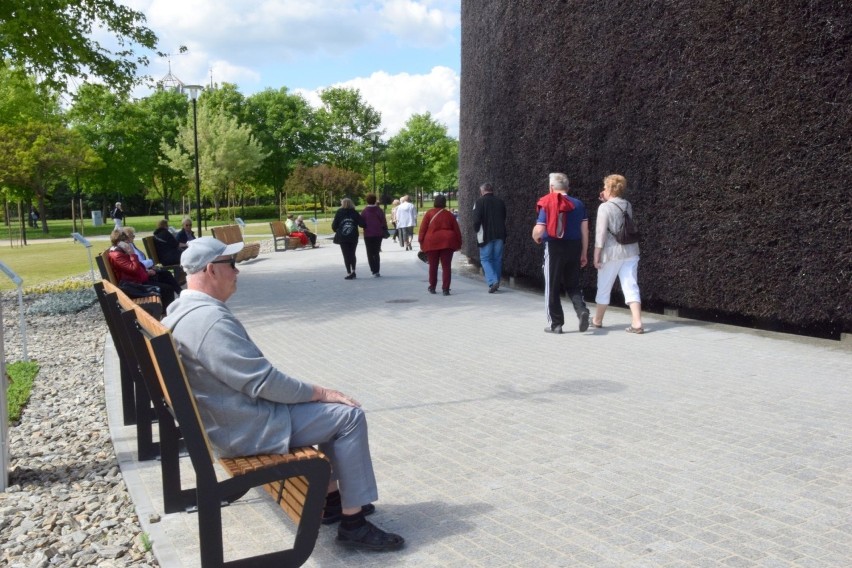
(422,156)
(164,112)
(228,153)
(52,38)
(324,181)
(36,155)
(347,121)
(113,128)
(286,126)
(36,148)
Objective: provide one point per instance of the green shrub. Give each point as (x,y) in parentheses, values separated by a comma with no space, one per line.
(21,375)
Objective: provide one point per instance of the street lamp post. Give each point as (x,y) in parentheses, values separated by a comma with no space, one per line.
(193,94)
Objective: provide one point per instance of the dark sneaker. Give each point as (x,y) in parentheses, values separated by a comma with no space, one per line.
(369,537)
(557,329)
(493,288)
(331,515)
(584,321)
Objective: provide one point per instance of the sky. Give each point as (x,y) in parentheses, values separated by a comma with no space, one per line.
(403,55)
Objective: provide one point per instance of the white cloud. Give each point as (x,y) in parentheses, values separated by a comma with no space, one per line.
(399,96)
(418,23)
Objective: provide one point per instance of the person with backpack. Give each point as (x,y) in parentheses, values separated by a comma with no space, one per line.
(345,226)
(617,252)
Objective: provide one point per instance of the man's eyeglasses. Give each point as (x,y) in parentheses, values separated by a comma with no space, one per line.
(232,261)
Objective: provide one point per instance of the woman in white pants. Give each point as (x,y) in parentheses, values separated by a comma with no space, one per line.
(613,259)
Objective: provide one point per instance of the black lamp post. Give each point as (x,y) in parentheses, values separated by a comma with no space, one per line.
(193,94)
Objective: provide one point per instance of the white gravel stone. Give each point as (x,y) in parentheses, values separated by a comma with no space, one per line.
(66,504)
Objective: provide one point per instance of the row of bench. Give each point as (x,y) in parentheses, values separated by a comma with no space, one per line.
(159,393)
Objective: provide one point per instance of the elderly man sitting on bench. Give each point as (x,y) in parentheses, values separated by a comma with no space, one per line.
(250,407)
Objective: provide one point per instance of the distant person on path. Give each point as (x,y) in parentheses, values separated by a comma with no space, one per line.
(185,234)
(563,226)
(33,217)
(439,237)
(252,408)
(300,225)
(118,215)
(613,259)
(406,220)
(375,225)
(489,222)
(345,226)
(168,248)
(393,218)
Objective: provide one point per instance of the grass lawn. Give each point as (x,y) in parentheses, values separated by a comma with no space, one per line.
(56,255)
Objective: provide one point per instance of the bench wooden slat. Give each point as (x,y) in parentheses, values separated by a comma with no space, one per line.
(230,234)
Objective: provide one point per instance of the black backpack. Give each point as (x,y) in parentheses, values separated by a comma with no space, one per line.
(628,233)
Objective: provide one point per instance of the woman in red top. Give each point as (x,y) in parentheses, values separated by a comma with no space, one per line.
(439,237)
(127,266)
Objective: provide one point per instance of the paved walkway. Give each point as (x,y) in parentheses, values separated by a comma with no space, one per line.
(496,444)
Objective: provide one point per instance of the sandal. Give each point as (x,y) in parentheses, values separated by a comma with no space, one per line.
(369,536)
(636,330)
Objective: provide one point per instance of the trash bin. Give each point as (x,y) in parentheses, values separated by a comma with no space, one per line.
(97,219)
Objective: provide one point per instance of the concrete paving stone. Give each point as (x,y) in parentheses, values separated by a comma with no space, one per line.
(692,430)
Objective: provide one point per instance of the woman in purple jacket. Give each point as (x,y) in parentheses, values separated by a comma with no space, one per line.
(375,229)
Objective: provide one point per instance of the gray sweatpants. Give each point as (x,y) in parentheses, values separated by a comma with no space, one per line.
(340,431)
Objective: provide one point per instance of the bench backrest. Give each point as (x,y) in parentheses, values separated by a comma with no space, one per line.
(228,234)
(151,249)
(105,267)
(279,229)
(176,390)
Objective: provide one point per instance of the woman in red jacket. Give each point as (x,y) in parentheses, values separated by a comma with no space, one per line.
(439,237)
(127,266)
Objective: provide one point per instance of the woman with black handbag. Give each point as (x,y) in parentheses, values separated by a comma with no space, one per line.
(614,259)
(128,268)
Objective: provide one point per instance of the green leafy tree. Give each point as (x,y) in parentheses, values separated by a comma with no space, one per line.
(287,127)
(37,151)
(53,39)
(115,129)
(347,123)
(35,156)
(164,112)
(422,157)
(326,184)
(228,154)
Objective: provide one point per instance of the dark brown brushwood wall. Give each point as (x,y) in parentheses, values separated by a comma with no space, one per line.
(732,121)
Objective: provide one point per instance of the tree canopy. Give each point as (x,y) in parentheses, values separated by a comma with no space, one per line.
(52,39)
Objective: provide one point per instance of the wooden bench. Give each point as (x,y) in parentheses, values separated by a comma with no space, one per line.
(230,234)
(297,480)
(135,402)
(151,250)
(280,234)
(152,304)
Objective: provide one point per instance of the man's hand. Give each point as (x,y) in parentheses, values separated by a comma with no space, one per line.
(322,394)
(584,260)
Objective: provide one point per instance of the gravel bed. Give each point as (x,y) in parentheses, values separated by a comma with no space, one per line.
(66,503)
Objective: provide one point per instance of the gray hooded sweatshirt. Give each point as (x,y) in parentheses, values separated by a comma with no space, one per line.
(242,398)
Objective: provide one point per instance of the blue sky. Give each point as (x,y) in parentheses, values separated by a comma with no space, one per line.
(403,55)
